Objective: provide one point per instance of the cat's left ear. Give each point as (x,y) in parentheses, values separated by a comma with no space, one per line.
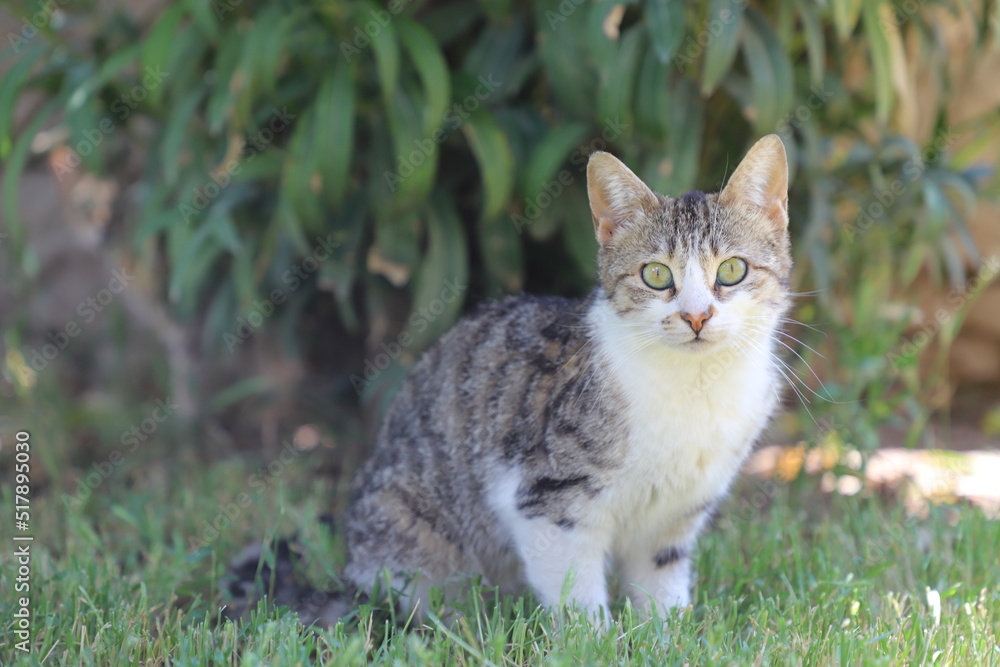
(761,180)
(616,195)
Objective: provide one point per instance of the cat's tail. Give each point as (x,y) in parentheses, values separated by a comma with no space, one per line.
(268,571)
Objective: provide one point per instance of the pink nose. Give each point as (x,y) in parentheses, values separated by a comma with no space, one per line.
(698,321)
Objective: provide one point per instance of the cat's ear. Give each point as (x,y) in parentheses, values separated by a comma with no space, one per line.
(761,180)
(615,193)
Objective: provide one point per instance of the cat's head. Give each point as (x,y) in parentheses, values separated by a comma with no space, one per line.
(698,269)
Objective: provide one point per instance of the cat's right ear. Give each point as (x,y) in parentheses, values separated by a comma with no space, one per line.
(615,193)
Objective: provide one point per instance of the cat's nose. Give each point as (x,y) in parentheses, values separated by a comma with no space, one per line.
(697,320)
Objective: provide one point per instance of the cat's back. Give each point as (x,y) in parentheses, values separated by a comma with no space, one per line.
(489,370)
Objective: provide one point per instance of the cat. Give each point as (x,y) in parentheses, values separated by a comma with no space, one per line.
(543,439)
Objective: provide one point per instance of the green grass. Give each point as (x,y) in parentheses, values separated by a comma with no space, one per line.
(132,575)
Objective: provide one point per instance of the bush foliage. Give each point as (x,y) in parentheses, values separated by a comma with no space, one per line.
(409,146)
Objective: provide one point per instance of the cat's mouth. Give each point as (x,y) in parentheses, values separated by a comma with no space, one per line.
(699,343)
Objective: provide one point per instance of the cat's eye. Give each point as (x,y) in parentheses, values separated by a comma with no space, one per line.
(657,276)
(732,271)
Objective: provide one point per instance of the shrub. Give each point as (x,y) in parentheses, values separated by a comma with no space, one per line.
(372,152)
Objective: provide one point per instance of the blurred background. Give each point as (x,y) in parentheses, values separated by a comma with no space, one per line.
(229,227)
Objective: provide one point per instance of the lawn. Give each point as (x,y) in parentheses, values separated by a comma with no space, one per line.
(127,567)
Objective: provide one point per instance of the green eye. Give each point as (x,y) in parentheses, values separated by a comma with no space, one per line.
(657,276)
(732,271)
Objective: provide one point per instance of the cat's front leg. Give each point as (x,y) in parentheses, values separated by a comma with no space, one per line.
(660,575)
(560,560)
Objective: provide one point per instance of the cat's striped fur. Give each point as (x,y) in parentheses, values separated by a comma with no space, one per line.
(544,438)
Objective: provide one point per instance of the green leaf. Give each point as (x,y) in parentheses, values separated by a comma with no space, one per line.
(158,45)
(815,40)
(845,16)
(783,72)
(220,104)
(177,133)
(563,47)
(441,281)
(967,201)
(223,229)
(550,154)
(385,47)
(652,98)
(765,85)
(723,43)
(449,22)
(204,15)
(241,270)
(240,391)
(426,57)
(414,166)
(498,54)
(496,162)
(618,77)
(397,246)
(936,209)
(192,253)
(497,10)
(881,54)
(686,124)
(500,246)
(599,45)
(770,71)
(10,86)
(13,168)
(108,72)
(272,35)
(665,21)
(578,233)
(339,274)
(335,115)
(300,184)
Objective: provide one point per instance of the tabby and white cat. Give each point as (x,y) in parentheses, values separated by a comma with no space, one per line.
(543,440)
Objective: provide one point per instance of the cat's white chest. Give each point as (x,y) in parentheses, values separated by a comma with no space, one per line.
(691,420)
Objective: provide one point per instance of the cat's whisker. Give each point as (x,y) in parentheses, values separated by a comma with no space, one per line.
(805,345)
(777,363)
(779,332)
(786,320)
(740,345)
(813,372)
